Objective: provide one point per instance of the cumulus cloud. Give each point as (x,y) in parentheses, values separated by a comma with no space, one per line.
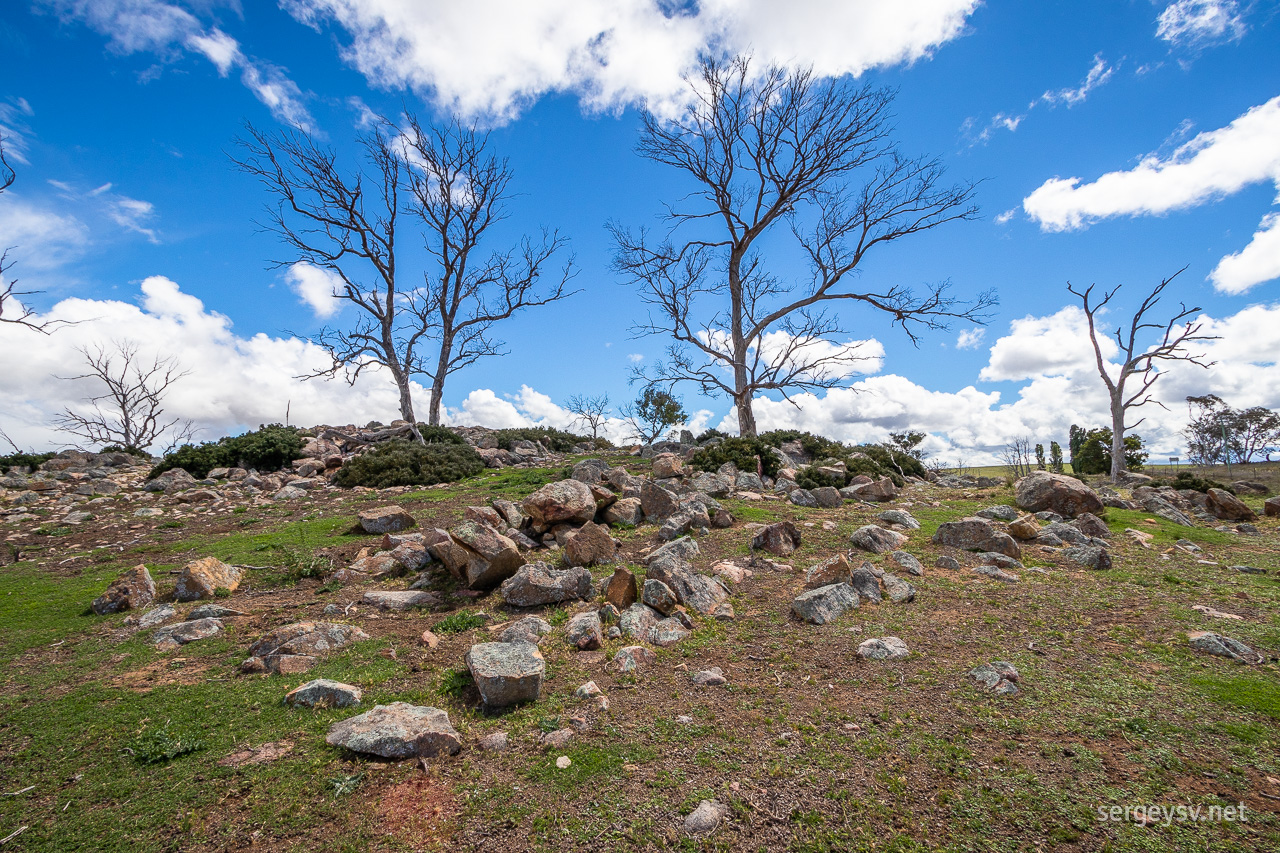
(613,54)
(1055,345)
(315,288)
(1255,263)
(153,26)
(635,357)
(971,338)
(1199,23)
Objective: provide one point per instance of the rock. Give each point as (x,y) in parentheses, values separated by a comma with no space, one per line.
(413,556)
(1161,508)
(585,632)
(203,578)
(866,584)
(713,485)
(1089,556)
(279,664)
(431,641)
(182,633)
(133,590)
(1249,570)
(833,570)
(558,739)
(212,611)
(825,604)
(288,493)
(386,519)
(625,511)
(996,573)
(998,513)
(495,742)
(633,658)
(731,572)
(397,731)
(171,481)
(946,561)
(713,677)
(999,677)
(883,648)
(976,534)
(637,622)
(506,673)
(669,631)
(1272,507)
(700,593)
(897,516)
(1063,533)
(499,556)
(667,465)
(156,616)
(659,596)
(1044,490)
(588,691)
(399,599)
(748,482)
(676,526)
(908,562)
(802,497)
(380,565)
(879,491)
(876,539)
(780,539)
(1025,528)
(657,503)
(621,590)
(530,629)
(898,590)
(590,546)
(566,501)
(684,548)
(536,584)
(487,516)
(323,693)
(1092,526)
(589,471)
(1226,506)
(1216,644)
(705,818)
(306,638)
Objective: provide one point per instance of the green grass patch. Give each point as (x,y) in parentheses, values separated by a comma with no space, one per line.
(1255,693)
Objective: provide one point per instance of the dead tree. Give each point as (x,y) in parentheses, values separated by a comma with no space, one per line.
(344,223)
(1141,364)
(591,412)
(130,411)
(10,296)
(460,190)
(767,150)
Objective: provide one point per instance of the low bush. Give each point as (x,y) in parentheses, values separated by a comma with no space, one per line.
(24,460)
(811,478)
(439,435)
(708,435)
(1187,480)
(742,452)
(162,743)
(405,463)
(556,440)
(268,448)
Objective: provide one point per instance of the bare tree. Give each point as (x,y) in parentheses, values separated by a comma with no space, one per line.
(591,412)
(460,191)
(764,150)
(1016,457)
(10,296)
(1138,362)
(130,411)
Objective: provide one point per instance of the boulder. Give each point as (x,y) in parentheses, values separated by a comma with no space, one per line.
(1067,496)
(538,583)
(883,648)
(181,633)
(976,534)
(824,604)
(306,638)
(566,501)
(780,539)
(1025,528)
(173,480)
(1092,526)
(667,465)
(899,517)
(713,485)
(506,673)
(1216,644)
(830,571)
(1089,556)
(584,631)
(399,599)
(908,562)
(499,556)
(659,596)
(802,497)
(530,629)
(1161,508)
(133,590)
(699,593)
(625,511)
(657,503)
(590,546)
(880,491)
(876,539)
(621,590)
(632,658)
(386,519)
(1272,507)
(685,548)
(1222,504)
(397,731)
(589,471)
(323,693)
(203,578)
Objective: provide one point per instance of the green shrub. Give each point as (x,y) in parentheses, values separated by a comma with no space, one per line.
(439,435)
(157,745)
(268,448)
(816,446)
(459,621)
(21,460)
(556,440)
(1187,480)
(132,451)
(742,452)
(708,435)
(811,478)
(895,463)
(405,463)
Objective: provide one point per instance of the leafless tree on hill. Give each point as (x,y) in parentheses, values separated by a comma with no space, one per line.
(589,411)
(766,150)
(1141,363)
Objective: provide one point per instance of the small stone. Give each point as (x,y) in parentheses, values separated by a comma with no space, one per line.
(387,519)
(506,673)
(558,739)
(429,640)
(585,632)
(563,762)
(323,693)
(883,648)
(705,818)
(864,581)
(495,742)
(588,690)
(713,677)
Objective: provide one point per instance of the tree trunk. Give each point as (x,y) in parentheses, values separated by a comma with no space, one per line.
(746,417)
(406,402)
(437,382)
(1117,437)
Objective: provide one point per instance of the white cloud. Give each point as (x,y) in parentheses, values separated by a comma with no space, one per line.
(14,129)
(1255,263)
(1198,23)
(810,359)
(315,288)
(971,338)
(1098,74)
(1002,218)
(133,214)
(41,238)
(610,53)
(1056,345)
(635,357)
(1213,164)
(153,26)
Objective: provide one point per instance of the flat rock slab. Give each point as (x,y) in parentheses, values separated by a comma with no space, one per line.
(883,648)
(506,673)
(182,633)
(999,677)
(535,584)
(996,573)
(399,599)
(307,638)
(386,519)
(876,539)
(398,730)
(323,693)
(1216,644)
(203,578)
(825,604)
(212,611)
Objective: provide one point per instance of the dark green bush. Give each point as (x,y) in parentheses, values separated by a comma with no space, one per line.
(406,463)
(132,451)
(1187,480)
(439,435)
(816,446)
(810,477)
(160,744)
(268,448)
(708,435)
(742,452)
(895,463)
(552,439)
(21,460)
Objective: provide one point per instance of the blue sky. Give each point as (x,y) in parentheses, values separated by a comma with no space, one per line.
(127,214)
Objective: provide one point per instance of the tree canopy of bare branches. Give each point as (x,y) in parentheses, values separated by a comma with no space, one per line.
(590,412)
(764,150)
(1137,361)
(10,296)
(444,181)
(130,411)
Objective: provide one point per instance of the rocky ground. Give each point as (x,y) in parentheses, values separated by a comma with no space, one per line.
(614,651)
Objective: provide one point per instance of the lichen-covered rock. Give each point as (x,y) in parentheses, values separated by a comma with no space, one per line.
(633,658)
(323,693)
(530,629)
(133,590)
(802,497)
(590,546)
(779,539)
(908,562)
(667,465)
(1067,496)
(876,539)
(1216,644)
(697,592)
(566,501)
(976,534)
(621,590)
(1222,504)
(625,511)
(900,517)
(866,584)
(397,731)
(584,631)
(883,648)
(203,578)
(400,599)
(499,557)
(506,673)
(832,570)
(181,633)
(637,621)
(385,519)
(825,604)
(1092,526)
(1089,556)
(880,491)
(898,590)
(657,503)
(538,583)
(306,638)
(1024,528)
(659,596)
